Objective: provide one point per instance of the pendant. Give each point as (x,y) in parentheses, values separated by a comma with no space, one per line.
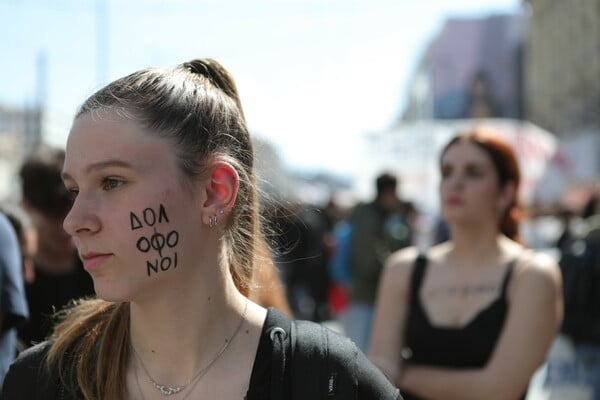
(167,391)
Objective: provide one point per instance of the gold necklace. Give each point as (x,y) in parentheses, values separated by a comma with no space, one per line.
(170,390)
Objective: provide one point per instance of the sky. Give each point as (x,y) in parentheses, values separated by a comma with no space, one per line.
(314,76)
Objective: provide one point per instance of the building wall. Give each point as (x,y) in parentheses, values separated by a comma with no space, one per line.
(562,65)
(443,85)
(20,134)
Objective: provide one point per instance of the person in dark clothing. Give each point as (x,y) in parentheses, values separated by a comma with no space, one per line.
(165,219)
(58,276)
(301,254)
(378,228)
(13,305)
(580,267)
(449,323)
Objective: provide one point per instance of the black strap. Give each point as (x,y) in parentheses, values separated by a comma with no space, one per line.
(279,334)
(417,277)
(318,363)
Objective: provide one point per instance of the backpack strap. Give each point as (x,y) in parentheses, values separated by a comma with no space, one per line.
(323,363)
(310,361)
(280,335)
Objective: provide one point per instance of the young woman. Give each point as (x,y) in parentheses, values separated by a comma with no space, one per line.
(472,318)
(165,219)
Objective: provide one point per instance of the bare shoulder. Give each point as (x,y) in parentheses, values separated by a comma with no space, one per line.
(399,264)
(537,268)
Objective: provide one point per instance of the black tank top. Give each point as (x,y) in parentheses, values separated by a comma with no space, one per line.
(469,346)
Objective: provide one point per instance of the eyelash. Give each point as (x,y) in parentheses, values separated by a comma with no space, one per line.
(111,183)
(106,184)
(73,193)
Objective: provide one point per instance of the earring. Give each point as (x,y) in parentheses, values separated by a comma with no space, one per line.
(213,219)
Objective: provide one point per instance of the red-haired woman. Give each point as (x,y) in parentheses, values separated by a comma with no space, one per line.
(474,317)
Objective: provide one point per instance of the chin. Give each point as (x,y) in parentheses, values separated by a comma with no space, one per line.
(111,291)
(459,217)
(453,215)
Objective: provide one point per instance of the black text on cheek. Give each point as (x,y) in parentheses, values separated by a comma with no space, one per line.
(163,244)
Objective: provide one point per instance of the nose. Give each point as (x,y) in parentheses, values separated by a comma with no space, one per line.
(456,179)
(82,218)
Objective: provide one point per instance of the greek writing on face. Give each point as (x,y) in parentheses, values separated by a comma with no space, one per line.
(157,241)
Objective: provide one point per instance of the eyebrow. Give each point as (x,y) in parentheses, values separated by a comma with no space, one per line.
(100,166)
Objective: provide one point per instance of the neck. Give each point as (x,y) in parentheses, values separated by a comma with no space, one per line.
(476,246)
(186,326)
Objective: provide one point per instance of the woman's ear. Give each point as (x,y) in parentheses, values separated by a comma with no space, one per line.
(507,197)
(221,191)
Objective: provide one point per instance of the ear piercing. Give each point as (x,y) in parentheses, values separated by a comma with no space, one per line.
(214,219)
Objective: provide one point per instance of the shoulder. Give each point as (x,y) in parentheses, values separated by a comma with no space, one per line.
(28,376)
(348,370)
(363,210)
(537,268)
(398,271)
(536,279)
(400,263)
(31,359)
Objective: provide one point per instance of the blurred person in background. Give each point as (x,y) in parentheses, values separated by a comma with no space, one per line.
(27,236)
(474,317)
(338,265)
(580,266)
(299,236)
(166,219)
(13,304)
(58,273)
(377,229)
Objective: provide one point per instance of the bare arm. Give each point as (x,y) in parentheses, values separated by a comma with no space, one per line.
(535,313)
(390,313)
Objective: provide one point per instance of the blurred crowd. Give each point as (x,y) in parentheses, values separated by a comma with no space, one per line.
(322,262)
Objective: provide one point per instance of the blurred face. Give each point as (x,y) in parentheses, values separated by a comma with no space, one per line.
(388,200)
(469,189)
(131,220)
(53,241)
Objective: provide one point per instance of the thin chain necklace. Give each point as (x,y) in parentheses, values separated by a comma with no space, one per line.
(170,390)
(137,381)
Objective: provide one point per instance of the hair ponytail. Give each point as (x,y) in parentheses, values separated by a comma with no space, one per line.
(244,260)
(197,108)
(218,76)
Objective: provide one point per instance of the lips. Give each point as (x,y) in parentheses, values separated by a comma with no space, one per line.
(453,200)
(93,261)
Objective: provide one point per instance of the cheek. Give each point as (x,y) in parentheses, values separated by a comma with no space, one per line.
(487,196)
(154,239)
(485,189)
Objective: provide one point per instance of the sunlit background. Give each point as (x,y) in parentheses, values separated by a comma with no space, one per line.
(334,90)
